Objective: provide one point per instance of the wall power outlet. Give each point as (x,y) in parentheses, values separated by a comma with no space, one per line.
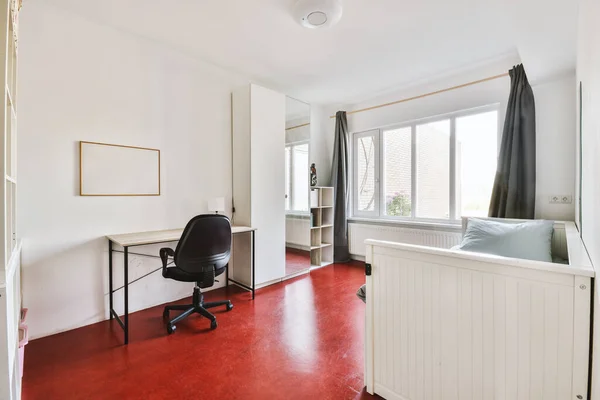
(561,199)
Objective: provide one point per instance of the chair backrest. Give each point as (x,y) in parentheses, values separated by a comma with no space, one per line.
(205,242)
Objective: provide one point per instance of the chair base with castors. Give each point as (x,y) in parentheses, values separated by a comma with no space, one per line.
(202,254)
(198,307)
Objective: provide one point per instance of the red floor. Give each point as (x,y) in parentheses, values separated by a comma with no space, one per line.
(296,261)
(301,339)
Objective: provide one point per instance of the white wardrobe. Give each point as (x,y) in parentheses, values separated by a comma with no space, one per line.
(258,129)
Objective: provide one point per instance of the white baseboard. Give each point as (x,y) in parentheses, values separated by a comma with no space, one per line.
(285,278)
(297,246)
(295,275)
(268,283)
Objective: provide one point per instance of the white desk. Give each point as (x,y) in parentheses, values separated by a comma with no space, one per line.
(152,237)
(127,240)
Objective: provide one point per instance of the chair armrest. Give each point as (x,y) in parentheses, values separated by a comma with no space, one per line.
(165,253)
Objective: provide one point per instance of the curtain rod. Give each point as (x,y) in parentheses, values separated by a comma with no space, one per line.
(297,126)
(426,94)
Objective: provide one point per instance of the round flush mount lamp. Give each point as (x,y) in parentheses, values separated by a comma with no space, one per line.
(318,13)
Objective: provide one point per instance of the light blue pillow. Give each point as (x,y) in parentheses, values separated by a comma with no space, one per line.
(531,240)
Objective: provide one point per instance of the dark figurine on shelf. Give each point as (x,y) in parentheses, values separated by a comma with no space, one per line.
(313,175)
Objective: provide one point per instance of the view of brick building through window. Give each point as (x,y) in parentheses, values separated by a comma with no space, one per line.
(475,166)
(397,172)
(433,165)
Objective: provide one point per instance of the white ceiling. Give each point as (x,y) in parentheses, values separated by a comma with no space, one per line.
(378,44)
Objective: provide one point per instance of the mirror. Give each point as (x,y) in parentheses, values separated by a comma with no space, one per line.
(297,186)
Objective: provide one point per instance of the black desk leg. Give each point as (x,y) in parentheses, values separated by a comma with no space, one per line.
(110,278)
(126,289)
(253,269)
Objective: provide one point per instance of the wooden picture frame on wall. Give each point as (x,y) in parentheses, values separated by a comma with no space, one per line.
(107,169)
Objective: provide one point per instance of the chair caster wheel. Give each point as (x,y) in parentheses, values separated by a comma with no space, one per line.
(213,324)
(229,306)
(171,328)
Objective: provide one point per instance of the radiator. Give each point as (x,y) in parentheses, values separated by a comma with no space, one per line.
(358,233)
(297,232)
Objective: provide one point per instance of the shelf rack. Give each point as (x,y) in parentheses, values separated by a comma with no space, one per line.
(321,226)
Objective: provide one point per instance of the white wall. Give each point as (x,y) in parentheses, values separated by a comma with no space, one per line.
(588,72)
(83,81)
(555,135)
(555,112)
(321,142)
(490,92)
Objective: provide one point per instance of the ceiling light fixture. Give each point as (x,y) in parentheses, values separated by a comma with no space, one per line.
(318,13)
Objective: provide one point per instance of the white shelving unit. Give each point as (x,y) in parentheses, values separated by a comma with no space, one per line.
(321,226)
(10,275)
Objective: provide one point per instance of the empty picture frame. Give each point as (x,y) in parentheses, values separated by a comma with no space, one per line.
(114,170)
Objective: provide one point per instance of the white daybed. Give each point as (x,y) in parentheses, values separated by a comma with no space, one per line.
(445,324)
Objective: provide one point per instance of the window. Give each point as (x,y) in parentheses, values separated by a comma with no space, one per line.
(432,166)
(438,169)
(397,172)
(296,177)
(476,154)
(366,173)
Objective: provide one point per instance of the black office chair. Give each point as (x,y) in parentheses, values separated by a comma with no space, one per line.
(201,254)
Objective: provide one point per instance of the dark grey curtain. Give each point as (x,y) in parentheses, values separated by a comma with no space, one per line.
(513,195)
(339,181)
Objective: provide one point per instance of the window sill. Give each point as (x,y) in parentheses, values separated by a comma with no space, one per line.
(446,226)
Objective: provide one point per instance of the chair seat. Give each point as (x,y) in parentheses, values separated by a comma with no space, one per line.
(180,275)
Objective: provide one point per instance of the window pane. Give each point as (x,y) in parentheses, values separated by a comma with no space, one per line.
(476,156)
(287,178)
(433,177)
(300,178)
(365,184)
(398,171)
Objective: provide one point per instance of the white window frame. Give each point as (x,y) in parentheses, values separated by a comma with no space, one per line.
(376,205)
(380,206)
(292,210)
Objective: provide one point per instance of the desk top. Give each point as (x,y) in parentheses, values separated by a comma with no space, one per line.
(172,235)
